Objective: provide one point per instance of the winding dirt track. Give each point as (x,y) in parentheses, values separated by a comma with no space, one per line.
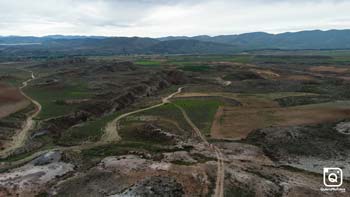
(220,177)
(20,138)
(111,135)
(111,129)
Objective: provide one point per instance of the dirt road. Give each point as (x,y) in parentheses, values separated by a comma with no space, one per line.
(20,137)
(111,129)
(111,135)
(220,177)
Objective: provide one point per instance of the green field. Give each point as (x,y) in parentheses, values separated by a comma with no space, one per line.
(148,63)
(124,147)
(49,98)
(168,111)
(201,111)
(90,131)
(195,68)
(13,76)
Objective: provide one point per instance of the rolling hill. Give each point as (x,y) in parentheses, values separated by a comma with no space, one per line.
(58,45)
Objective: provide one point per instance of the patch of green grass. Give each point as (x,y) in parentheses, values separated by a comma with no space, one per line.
(209,58)
(149,63)
(195,68)
(13,76)
(278,95)
(237,191)
(47,96)
(89,131)
(201,111)
(123,147)
(13,158)
(46,142)
(168,111)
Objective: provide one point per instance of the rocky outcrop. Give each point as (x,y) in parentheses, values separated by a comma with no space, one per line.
(343,127)
(155,186)
(56,125)
(306,147)
(111,101)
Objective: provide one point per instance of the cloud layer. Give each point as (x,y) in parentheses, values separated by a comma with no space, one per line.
(154,18)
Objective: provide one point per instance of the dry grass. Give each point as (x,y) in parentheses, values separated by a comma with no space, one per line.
(331,69)
(300,78)
(260,110)
(238,122)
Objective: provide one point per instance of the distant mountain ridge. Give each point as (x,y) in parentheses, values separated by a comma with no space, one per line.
(316,39)
(99,45)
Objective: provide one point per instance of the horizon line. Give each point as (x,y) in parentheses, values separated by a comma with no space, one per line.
(233,34)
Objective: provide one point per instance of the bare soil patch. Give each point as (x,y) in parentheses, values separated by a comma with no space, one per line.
(216,126)
(266,74)
(11,100)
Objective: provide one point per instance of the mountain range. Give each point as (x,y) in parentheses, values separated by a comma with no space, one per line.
(223,44)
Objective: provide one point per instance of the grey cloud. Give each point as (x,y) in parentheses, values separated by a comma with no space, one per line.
(168,17)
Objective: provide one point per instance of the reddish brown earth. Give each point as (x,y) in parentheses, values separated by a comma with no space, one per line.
(11,100)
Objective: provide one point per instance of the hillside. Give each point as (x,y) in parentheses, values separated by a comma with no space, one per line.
(106,46)
(58,45)
(333,39)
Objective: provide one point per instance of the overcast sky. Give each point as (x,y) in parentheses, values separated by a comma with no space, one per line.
(155,18)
